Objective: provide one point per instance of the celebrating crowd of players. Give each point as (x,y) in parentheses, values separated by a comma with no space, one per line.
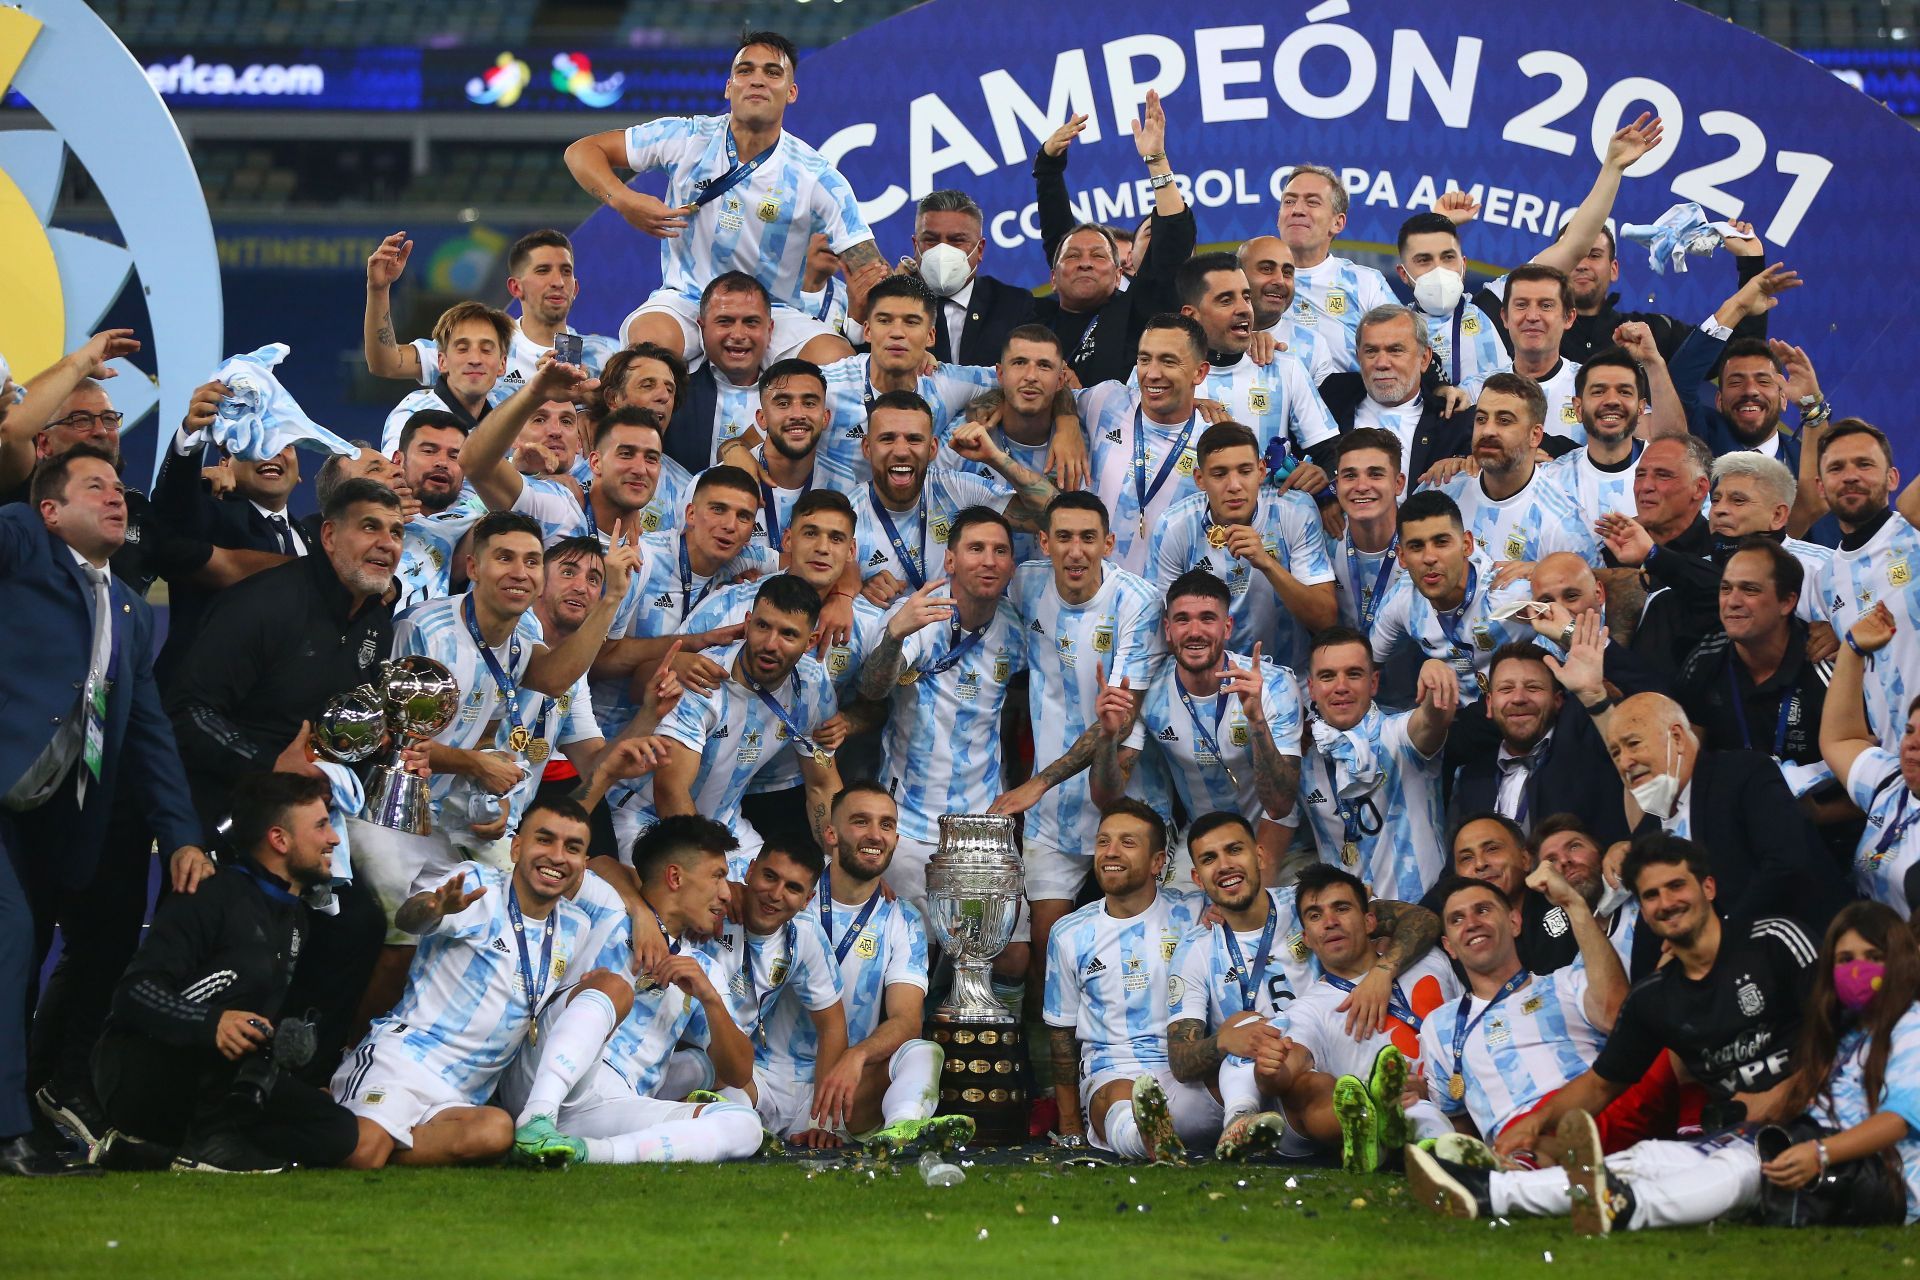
(1376,685)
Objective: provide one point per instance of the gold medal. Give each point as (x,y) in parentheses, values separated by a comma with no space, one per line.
(539,750)
(1216,535)
(821,757)
(519,738)
(909,675)
(1350,854)
(1143,524)
(1457,1087)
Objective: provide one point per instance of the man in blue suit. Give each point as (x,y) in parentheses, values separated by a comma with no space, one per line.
(82,717)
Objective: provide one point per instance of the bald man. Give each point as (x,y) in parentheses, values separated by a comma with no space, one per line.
(1268,263)
(1567,582)
(1764,852)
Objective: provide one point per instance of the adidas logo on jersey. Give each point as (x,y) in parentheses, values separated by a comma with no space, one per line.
(1113,436)
(878,557)
(722,731)
(1036,628)
(1095,966)
(664,600)
(1315,797)
(1168,735)
(856,433)
(500,945)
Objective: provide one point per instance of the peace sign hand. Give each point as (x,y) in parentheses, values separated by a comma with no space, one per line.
(622,562)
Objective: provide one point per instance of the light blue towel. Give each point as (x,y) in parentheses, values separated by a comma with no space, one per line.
(260,417)
(1681,230)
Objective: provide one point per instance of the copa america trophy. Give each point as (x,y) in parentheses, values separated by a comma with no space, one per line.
(417,698)
(975,883)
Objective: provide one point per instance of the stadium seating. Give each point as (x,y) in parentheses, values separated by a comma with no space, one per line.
(169,24)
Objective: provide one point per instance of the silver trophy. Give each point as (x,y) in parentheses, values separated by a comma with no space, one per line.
(975,882)
(418,698)
(353,726)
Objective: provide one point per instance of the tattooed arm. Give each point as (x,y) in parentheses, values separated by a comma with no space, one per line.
(1193,1053)
(1066,1080)
(1411,932)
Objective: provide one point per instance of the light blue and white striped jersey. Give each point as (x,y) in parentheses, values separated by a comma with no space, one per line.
(1198,778)
(948,390)
(1111,415)
(733,411)
(923,530)
(941,750)
(1117,630)
(427,546)
(1595,491)
(737,735)
(554,723)
(1882,570)
(662,1017)
(1275,400)
(466,1010)
(1332,297)
(1563,402)
(1206,982)
(783,504)
(799,968)
(427,398)
(1357,580)
(890,948)
(523,356)
(1392,794)
(564,514)
(1528,1045)
(1289,528)
(1813,559)
(1301,340)
(1900,1084)
(657,603)
(1880,873)
(1535,522)
(732,603)
(763,225)
(1407,617)
(1026,546)
(1480,351)
(1108,980)
(438,629)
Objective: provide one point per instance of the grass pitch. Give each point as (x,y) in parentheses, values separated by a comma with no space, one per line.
(791,1217)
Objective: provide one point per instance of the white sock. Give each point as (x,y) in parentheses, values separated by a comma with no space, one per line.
(1238,1093)
(686,1070)
(573,1046)
(1123,1135)
(1534,1193)
(914,1071)
(1425,1119)
(720,1132)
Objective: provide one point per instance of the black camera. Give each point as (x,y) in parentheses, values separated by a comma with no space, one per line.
(291,1047)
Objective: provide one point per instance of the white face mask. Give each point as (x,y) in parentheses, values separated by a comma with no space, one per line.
(945,270)
(1657,794)
(1438,292)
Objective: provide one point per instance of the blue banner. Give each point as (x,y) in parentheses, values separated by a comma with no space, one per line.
(1406,100)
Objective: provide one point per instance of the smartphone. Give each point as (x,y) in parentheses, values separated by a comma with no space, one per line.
(567,348)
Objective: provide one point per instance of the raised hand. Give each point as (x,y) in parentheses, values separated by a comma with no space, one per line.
(651,214)
(451,898)
(108,344)
(1633,141)
(1583,671)
(1761,294)
(971,441)
(1636,339)
(1115,707)
(1801,380)
(1874,629)
(388,261)
(1458,206)
(1439,686)
(205,406)
(1246,684)
(1626,537)
(920,609)
(1150,130)
(622,562)
(1057,141)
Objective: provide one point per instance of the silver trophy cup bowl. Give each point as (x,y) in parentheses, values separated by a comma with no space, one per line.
(419,698)
(975,882)
(353,726)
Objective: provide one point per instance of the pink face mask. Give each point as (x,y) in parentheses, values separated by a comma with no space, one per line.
(1857,982)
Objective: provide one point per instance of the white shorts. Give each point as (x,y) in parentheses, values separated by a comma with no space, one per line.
(390,862)
(1054,875)
(381,1082)
(1195,1111)
(785,1102)
(907,877)
(792,329)
(604,1105)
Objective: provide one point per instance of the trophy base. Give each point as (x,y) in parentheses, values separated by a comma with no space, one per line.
(985,1076)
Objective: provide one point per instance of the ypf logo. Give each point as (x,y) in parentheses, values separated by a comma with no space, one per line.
(77,74)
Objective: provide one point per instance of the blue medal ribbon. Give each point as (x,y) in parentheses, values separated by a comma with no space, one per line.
(1463,1028)
(845,944)
(738,171)
(799,739)
(1896,827)
(509,692)
(1203,737)
(1143,492)
(1789,702)
(1452,620)
(773,512)
(687,598)
(1397,1005)
(764,1003)
(1367,602)
(959,644)
(534,994)
(914,569)
(1252,979)
(1459,314)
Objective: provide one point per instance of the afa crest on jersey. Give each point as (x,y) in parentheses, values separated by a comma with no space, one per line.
(1258,400)
(1516,545)
(941,528)
(1237,735)
(650,521)
(1103,638)
(868,947)
(769,211)
(1470,325)
(1898,574)
(838,660)
(1336,302)
(1002,669)
(1188,461)
(1482,638)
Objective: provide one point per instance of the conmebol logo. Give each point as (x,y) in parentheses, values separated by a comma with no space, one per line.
(573,73)
(501,84)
